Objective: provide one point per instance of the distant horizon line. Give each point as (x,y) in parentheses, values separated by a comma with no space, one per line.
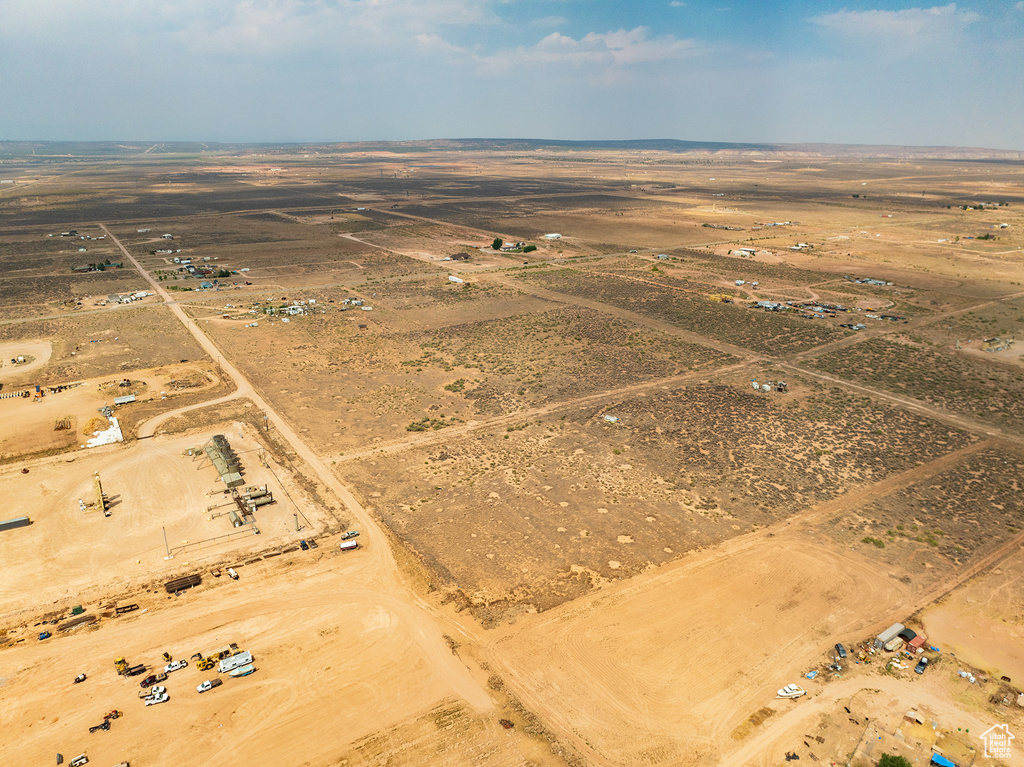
(651,144)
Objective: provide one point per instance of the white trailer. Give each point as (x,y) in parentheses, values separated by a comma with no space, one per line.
(235,661)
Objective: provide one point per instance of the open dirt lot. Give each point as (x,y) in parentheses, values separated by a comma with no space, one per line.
(982,622)
(336,665)
(152,488)
(102,343)
(575,514)
(63,419)
(609,667)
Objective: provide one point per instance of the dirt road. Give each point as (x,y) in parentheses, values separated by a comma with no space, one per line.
(382,570)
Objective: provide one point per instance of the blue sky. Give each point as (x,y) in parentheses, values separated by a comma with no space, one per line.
(349,70)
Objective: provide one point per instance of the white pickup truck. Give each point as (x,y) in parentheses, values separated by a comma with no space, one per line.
(209,684)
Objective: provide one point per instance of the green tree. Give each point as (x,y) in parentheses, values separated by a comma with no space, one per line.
(498,242)
(891,760)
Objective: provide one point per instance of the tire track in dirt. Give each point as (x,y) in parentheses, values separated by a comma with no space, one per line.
(384,573)
(570,628)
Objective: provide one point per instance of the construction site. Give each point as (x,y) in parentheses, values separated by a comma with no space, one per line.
(114,515)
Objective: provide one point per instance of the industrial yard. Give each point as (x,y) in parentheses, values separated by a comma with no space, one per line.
(470,503)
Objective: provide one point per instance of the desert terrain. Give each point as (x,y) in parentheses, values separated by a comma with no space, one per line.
(701,415)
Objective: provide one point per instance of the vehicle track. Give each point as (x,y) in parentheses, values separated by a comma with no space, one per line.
(386,575)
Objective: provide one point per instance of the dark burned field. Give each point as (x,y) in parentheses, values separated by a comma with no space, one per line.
(762,332)
(531,517)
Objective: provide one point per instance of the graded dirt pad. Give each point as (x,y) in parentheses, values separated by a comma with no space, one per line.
(537,513)
(661,670)
(152,488)
(755,330)
(980,387)
(36,354)
(341,673)
(981,622)
(59,420)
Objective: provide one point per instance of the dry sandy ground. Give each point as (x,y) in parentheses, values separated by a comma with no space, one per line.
(28,424)
(152,486)
(982,622)
(663,668)
(336,662)
(657,670)
(40,350)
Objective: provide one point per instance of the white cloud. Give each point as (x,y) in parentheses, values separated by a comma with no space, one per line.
(247,27)
(437,43)
(621,48)
(910,26)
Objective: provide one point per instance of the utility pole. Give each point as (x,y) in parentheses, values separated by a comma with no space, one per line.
(166,547)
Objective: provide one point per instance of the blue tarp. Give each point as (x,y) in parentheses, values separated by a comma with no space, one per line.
(942,761)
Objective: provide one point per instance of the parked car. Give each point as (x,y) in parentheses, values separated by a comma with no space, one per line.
(152,679)
(209,684)
(303,545)
(921,666)
(177,665)
(232,574)
(841,651)
(154,699)
(44,635)
(79,678)
(350,534)
(312,544)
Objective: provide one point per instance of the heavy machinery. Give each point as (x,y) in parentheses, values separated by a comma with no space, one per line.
(121,665)
(167,657)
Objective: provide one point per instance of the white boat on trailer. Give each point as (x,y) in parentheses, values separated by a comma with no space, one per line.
(791,691)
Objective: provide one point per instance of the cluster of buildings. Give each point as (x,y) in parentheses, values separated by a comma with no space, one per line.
(819,309)
(127,298)
(866,281)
